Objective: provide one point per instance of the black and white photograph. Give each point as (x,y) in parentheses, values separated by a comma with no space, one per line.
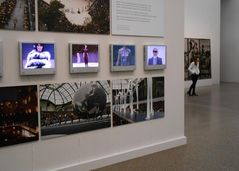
(69,108)
(78,16)
(17,15)
(137,99)
(197,49)
(18,115)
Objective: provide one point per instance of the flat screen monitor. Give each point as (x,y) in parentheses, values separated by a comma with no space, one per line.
(37,58)
(122,57)
(84,58)
(154,57)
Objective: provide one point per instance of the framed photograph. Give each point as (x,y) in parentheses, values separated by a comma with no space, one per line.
(17,15)
(18,115)
(84,58)
(69,108)
(197,48)
(78,16)
(122,57)
(37,58)
(155,57)
(137,99)
(1,58)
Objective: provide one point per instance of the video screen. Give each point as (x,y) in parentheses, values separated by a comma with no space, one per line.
(37,56)
(155,57)
(122,57)
(84,58)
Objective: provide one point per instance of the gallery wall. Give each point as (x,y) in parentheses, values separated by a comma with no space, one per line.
(202,20)
(85,151)
(229,41)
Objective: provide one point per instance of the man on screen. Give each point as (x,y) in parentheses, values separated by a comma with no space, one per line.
(155,60)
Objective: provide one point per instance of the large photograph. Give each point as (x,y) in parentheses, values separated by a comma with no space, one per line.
(197,48)
(69,108)
(18,115)
(79,16)
(136,100)
(17,14)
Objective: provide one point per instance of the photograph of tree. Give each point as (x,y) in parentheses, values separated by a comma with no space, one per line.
(79,16)
(197,48)
(18,115)
(136,100)
(17,15)
(69,108)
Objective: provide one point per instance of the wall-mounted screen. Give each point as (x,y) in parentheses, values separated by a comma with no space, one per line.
(84,58)
(122,57)
(154,57)
(37,58)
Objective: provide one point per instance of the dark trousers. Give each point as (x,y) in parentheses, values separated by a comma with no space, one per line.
(194,78)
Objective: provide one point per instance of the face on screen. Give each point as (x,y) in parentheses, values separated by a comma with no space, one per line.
(155,55)
(37,56)
(84,56)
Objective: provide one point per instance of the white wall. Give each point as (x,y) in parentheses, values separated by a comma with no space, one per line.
(229,41)
(202,20)
(102,147)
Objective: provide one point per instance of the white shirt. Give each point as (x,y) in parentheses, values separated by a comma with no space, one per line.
(194,69)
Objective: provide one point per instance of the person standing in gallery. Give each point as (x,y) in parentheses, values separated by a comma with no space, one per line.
(194,71)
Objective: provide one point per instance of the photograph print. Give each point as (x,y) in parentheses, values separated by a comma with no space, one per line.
(197,48)
(78,16)
(69,108)
(84,58)
(136,100)
(18,115)
(17,15)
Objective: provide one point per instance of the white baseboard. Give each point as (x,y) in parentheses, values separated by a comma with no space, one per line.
(125,155)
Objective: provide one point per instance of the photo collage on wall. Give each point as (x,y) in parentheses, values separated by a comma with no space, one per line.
(197,48)
(68,108)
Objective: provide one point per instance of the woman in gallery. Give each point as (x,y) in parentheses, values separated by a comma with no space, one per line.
(194,71)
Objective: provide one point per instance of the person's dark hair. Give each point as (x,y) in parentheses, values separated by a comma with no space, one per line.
(36,44)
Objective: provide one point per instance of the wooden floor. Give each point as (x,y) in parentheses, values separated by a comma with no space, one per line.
(212,129)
